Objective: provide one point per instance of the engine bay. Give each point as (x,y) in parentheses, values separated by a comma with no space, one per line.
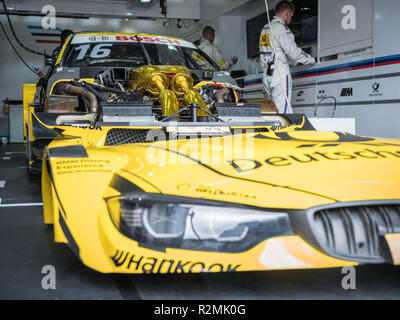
(149,93)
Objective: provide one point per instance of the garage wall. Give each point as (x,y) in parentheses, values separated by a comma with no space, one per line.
(230,28)
(13,72)
(186,9)
(231,34)
(228,35)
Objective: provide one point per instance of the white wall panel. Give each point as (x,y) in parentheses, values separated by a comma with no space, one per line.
(211,9)
(387,26)
(231,41)
(334,38)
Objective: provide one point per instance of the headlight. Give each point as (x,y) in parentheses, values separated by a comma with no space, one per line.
(161,221)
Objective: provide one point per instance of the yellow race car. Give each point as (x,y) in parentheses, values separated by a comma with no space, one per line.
(152,164)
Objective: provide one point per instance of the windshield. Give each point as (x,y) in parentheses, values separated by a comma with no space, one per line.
(116,54)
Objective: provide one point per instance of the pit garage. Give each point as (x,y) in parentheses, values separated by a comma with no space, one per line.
(136,163)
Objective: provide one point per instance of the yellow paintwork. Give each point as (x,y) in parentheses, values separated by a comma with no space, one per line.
(393,241)
(29,91)
(64,46)
(83,183)
(284,168)
(89,80)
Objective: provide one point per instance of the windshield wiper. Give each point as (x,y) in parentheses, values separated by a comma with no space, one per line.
(146,54)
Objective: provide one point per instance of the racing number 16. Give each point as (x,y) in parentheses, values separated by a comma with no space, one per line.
(99,51)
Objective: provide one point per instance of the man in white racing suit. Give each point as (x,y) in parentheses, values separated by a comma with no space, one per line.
(277,54)
(208,46)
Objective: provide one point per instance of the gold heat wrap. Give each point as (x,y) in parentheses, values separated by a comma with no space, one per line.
(157,84)
(182,84)
(155,80)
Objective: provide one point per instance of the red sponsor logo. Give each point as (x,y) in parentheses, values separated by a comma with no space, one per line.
(148,39)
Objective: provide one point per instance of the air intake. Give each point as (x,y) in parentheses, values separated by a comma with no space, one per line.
(355,233)
(117,137)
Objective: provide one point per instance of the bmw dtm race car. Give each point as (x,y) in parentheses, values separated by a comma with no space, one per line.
(152,164)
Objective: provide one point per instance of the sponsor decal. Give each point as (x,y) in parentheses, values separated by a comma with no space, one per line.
(81,166)
(341,138)
(90,127)
(347,92)
(132,38)
(299,95)
(375,90)
(290,159)
(265,40)
(131,261)
(321,94)
(214,191)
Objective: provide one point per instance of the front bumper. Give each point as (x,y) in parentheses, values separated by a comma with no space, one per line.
(309,246)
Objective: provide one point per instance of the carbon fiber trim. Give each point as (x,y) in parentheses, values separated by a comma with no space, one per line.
(71,241)
(77,151)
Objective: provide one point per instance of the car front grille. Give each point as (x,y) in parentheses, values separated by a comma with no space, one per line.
(356,232)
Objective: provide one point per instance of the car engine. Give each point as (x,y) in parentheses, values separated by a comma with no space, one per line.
(160,93)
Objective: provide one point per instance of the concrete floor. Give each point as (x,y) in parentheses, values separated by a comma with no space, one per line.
(26,246)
